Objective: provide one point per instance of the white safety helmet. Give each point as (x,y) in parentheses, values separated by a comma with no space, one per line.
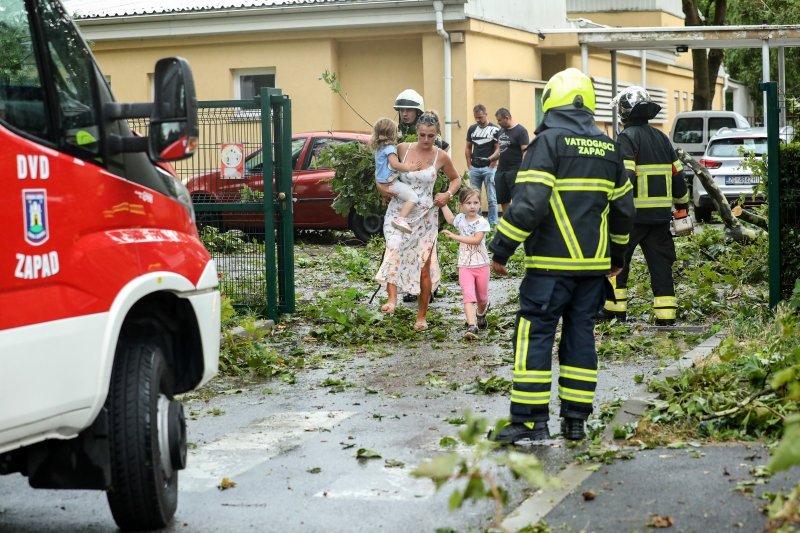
(409,99)
(635,102)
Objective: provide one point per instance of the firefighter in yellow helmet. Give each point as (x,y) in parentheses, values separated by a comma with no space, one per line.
(658,183)
(572,209)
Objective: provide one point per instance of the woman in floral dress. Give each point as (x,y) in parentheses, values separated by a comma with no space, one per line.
(410,262)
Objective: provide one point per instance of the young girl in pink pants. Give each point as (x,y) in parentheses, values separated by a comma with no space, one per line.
(473,260)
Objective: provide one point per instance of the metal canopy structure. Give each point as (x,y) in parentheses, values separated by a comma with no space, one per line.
(690,37)
(683,39)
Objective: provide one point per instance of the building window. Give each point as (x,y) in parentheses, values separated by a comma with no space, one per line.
(685,101)
(248,82)
(677,96)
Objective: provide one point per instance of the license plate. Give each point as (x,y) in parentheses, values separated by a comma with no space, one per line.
(741,180)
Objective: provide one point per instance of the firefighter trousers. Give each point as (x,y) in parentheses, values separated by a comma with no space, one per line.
(659,254)
(543,300)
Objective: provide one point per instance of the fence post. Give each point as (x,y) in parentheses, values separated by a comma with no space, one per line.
(282,119)
(269,199)
(773,190)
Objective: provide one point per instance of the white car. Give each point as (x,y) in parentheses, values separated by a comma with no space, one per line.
(692,130)
(723,159)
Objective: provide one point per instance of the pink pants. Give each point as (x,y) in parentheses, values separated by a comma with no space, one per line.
(474,284)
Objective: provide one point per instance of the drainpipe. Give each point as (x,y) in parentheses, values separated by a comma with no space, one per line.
(438,6)
(725,91)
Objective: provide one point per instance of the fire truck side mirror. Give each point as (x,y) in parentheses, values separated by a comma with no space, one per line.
(173,123)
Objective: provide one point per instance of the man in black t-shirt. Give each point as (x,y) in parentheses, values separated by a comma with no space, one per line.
(512,141)
(481,143)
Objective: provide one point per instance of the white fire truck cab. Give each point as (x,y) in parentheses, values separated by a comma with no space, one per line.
(108,300)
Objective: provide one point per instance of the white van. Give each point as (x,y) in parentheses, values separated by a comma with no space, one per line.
(691,130)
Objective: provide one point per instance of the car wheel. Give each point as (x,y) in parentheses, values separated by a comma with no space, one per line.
(147,435)
(206,218)
(365,227)
(702,213)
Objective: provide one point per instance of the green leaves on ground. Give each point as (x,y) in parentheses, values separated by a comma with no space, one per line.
(747,391)
(366,453)
(342,317)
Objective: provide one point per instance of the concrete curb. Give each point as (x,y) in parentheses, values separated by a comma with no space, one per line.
(263,325)
(543,501)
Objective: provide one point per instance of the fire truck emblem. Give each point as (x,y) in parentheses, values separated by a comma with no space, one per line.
(34,204)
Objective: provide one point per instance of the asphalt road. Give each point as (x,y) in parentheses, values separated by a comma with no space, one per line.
(291,449)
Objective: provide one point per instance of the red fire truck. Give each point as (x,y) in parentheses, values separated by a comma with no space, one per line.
(108,299)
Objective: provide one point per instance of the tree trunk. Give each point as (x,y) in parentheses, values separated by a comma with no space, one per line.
(701,91)
(715,55)
(736,231)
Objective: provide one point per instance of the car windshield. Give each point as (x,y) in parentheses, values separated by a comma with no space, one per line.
(731,147)
(254,163)
(689,130)
(717,123)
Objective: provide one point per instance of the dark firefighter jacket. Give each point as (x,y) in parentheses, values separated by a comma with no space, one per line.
(404,130)
(654,171)
(572,204)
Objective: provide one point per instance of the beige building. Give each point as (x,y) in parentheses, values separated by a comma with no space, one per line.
(457,53)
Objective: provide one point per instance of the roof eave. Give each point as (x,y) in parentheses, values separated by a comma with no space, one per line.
(266,19)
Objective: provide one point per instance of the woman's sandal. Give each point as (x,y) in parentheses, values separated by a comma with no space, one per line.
(388,308)
(420,325)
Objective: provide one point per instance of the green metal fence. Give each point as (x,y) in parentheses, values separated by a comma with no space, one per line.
(783,190)
(242,196)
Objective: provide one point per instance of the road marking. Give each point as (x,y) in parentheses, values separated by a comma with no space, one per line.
(380,484)
(240,452)
(545,500)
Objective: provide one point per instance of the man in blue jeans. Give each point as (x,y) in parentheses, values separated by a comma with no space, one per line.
(481,143)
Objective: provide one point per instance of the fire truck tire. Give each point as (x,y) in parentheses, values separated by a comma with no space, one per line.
(365,227)
(144,483)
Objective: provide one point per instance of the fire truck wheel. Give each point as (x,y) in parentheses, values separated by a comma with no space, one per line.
(147,436)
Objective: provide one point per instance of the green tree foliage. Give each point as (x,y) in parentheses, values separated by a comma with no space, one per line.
(744,64)
(15,48)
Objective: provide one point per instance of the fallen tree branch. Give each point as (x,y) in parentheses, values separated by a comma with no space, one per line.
(739,406)
(736,231)
(748,216)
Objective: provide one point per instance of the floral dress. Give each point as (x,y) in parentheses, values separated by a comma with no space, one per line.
(406,254)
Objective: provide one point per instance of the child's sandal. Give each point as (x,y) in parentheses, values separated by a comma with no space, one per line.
(420,325)
(388,308)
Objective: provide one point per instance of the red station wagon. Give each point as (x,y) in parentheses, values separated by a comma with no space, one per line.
(311,189)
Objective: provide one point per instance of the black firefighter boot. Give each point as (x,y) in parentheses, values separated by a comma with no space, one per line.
(607,316)
(572,428)
(517,431)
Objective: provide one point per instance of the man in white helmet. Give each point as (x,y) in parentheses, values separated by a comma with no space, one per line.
(658,183)
(409,106)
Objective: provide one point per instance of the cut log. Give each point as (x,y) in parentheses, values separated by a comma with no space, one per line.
(736,231)
(750,217)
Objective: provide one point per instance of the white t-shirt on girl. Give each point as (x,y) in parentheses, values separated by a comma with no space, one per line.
(472,255)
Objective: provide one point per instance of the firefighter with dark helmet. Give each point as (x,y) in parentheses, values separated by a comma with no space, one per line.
(572,209)
(658,183)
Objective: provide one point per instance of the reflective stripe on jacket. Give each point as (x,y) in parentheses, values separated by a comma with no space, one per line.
(654,171)
(573,204)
